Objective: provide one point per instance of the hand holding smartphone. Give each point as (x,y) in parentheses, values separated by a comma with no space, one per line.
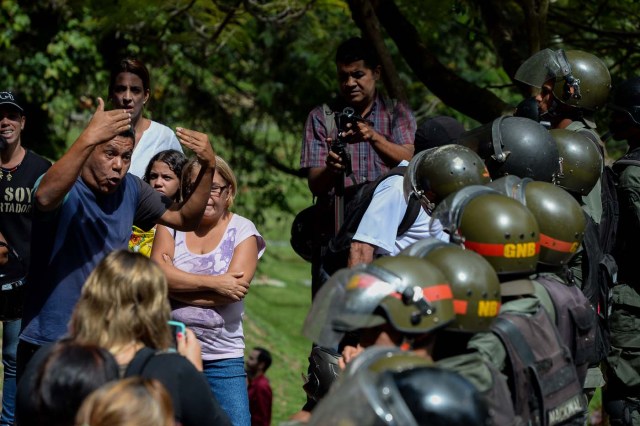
(177,327)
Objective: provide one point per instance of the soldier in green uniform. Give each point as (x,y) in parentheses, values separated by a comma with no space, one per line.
(381,303)
(477,295)
(507,235)
(574,85)
(391,387)
(562,224)
(621,396)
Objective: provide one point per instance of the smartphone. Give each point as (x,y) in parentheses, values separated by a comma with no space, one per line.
(176,327)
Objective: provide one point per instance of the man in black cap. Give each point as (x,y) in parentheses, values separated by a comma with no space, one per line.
(19,170)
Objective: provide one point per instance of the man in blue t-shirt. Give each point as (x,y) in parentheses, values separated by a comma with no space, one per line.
(84,207)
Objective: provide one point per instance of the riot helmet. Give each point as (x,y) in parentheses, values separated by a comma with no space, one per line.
(493,225)
(580,161)
(401,398)
(474,282)
(514,146)
(409,294)
(382,358)
(437,172)
(559,216)
(581,80)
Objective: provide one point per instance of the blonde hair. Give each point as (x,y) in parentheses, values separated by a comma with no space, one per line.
(125,298)
(129,402)
(222,168)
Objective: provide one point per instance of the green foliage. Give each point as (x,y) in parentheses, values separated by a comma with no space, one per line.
(248,73)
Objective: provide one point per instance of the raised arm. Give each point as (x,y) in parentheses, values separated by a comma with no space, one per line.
(186,216)
(58,180)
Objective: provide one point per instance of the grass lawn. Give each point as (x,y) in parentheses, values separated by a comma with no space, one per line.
(275,309)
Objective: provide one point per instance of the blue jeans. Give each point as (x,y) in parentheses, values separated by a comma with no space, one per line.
(10,332)
(228,381)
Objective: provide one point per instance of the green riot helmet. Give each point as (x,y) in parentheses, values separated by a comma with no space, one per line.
(474,282)
(559,216)
(514,146)
(593,80)
(581,163)
(493,225)
(437,172)
(382,358)
(409,294)
(378,359)
(401,398)
(581,80)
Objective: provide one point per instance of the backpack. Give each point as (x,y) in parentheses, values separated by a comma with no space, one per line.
(575,320)
(599,268)
(544,385)
(337,254)
(623,243)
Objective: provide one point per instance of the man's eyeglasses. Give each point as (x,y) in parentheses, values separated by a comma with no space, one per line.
(215,190)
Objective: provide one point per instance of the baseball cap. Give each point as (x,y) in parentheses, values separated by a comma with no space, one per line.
(437,131)
(8,98)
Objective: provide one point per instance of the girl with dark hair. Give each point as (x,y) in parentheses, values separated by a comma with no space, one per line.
(163,173)
(130,89)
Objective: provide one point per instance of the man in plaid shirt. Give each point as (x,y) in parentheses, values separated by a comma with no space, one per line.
(374,149)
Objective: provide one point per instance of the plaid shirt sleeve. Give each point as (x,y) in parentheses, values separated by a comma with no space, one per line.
(403,125)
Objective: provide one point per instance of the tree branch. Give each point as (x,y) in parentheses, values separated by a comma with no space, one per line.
(479,104)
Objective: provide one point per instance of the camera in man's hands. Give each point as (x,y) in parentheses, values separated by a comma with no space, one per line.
(347,116)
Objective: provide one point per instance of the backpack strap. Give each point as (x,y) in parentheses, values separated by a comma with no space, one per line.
(511,332)
(329,121)
(631,158)
(413,204)
(410,216)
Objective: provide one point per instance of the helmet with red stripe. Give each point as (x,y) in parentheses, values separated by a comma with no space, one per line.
(474,282)
(493,225)
(409,294)
(422,300)
(560,218)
